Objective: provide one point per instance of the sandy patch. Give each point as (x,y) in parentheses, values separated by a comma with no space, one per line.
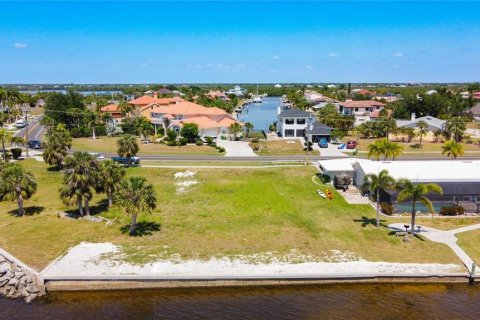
(89,259)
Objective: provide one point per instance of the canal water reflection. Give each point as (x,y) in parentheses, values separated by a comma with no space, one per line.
(452,301)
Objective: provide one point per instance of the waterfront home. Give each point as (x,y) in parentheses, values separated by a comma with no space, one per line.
(294,123)
(460,180)
(476,95)
(364,92)
(360,109)
(212,122)
(113,111)
(217,95)
(237,90)
(434,124)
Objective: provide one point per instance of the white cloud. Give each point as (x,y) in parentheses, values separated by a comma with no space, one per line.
(275,57)
(308,66)
(398,54)
(333,55)
(20,45)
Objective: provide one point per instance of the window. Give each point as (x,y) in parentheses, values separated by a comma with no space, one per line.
(356,109)
(300,133)
(289,121)
(289,133)
(301,121)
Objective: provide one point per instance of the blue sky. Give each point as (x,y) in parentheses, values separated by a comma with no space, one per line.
(181,42)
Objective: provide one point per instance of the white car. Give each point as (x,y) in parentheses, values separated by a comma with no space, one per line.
(97,155)
(21,124)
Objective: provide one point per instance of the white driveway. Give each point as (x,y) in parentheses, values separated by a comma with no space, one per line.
(236,148)
(331,151)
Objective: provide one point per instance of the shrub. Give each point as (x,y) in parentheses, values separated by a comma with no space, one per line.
(182,141)
(255,140)
(255,146)
(220,149)
(386,208)
(171,143)
(16,153)
(209,140)
(199,142)
(8,155)
(325,178)
(213,144)
(452,211)
(469,141)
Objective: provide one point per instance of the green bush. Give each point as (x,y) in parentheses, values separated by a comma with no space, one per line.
(386,208)
(255,140)
(209,140)
(171,143)
(220,149)
(213,144)
(182,141)
(8,154)
(16,153)
(325,178)
(452,211)
(199,142)
(255,146)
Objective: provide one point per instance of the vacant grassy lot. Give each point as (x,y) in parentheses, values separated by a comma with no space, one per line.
(243,211)
(469,242)
(283,148)
(106,144)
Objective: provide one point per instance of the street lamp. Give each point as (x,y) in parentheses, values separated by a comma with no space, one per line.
(308,131)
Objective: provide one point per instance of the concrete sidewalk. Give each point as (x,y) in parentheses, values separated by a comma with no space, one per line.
(446,237)
(236,148)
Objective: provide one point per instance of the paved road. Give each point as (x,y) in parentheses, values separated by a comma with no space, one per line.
(35,130)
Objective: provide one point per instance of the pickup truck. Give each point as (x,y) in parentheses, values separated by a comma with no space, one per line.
(124,160)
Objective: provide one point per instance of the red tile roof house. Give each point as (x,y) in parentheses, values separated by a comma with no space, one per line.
(114,112)
(361,109)
(476,95)
(217,94)
(212,122)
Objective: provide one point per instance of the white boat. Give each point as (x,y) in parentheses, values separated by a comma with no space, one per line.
(321,194)
(257,99)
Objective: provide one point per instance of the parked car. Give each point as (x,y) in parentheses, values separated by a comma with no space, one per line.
(351,144)
(322,143)
(124,160)
(97,155)
(20,123)
(34,144)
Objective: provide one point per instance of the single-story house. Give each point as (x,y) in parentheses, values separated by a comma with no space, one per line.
(293,123)
(475,111)
(434,124)
(338,167)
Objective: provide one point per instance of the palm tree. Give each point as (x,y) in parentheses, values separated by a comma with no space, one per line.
(417,193)
(17,184)
(5,136)
(375,149)
(382,181)
(111,174)
(127,147)
(235,128)
(422,130)
(452,149)
(81,176)
(93,120)
(249,127)
(57,143)
(136,196)
(390,149)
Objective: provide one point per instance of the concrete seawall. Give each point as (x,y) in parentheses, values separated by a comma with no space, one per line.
(148,282)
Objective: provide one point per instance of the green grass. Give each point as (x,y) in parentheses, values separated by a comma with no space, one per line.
(244,211)
(106,144)
(469,242)
(283,147)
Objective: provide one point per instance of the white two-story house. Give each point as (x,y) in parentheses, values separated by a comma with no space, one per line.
(361,109)
(293,123)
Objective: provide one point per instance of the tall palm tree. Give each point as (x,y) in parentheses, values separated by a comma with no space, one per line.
(235,128)
(127,147)
(57,143)
(18,184)
(136,196)
(416,193)
(422,130)
(382,181)
(249,127)
(111,174)
(5,136)
(452,149)
(80,178)
(390,149)
(375,149)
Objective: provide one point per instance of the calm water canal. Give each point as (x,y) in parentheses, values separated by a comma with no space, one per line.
(261,115)
(457,301)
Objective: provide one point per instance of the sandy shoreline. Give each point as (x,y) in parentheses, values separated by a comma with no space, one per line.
(95,260)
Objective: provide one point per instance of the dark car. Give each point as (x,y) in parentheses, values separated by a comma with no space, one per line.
(124,160)
(351,144)
(34,144)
